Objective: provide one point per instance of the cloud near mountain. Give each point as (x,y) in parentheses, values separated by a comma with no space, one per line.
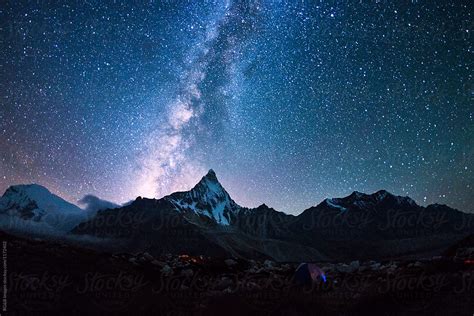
(92,203)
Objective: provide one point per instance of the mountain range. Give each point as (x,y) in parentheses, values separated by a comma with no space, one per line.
(207,221)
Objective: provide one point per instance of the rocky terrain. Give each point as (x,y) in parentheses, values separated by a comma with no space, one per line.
(55,278)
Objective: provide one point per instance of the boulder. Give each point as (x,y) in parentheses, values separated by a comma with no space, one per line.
(392,268)
(355,264)
(228,290)
(167,270)
(268,264)
(344,268)
(418,264)
(375,266)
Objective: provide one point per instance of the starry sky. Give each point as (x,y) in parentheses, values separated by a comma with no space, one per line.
(289,102)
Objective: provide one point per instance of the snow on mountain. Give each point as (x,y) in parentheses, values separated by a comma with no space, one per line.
(32,207)
(334,204)
(362,200)
(207,198)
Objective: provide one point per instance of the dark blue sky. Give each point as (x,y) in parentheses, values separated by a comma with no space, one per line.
(288,101)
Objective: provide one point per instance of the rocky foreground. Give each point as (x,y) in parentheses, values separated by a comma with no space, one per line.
(52,278)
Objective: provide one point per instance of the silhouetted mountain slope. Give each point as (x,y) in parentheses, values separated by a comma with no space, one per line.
(379,224)
(205,220)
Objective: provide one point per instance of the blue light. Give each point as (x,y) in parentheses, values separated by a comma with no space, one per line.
(323,277)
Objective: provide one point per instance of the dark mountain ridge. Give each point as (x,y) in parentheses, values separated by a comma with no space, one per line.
(207,221)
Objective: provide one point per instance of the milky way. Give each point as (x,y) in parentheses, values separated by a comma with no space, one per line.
(288,101)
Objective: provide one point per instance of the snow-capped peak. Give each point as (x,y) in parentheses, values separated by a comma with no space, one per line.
(211,175)
(24,194)
(208,198)
(357,194)
(380,195)
(23,205)
(383,195)
(367,201)
(209,186)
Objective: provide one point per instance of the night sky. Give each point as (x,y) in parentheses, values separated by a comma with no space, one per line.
(289,102)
